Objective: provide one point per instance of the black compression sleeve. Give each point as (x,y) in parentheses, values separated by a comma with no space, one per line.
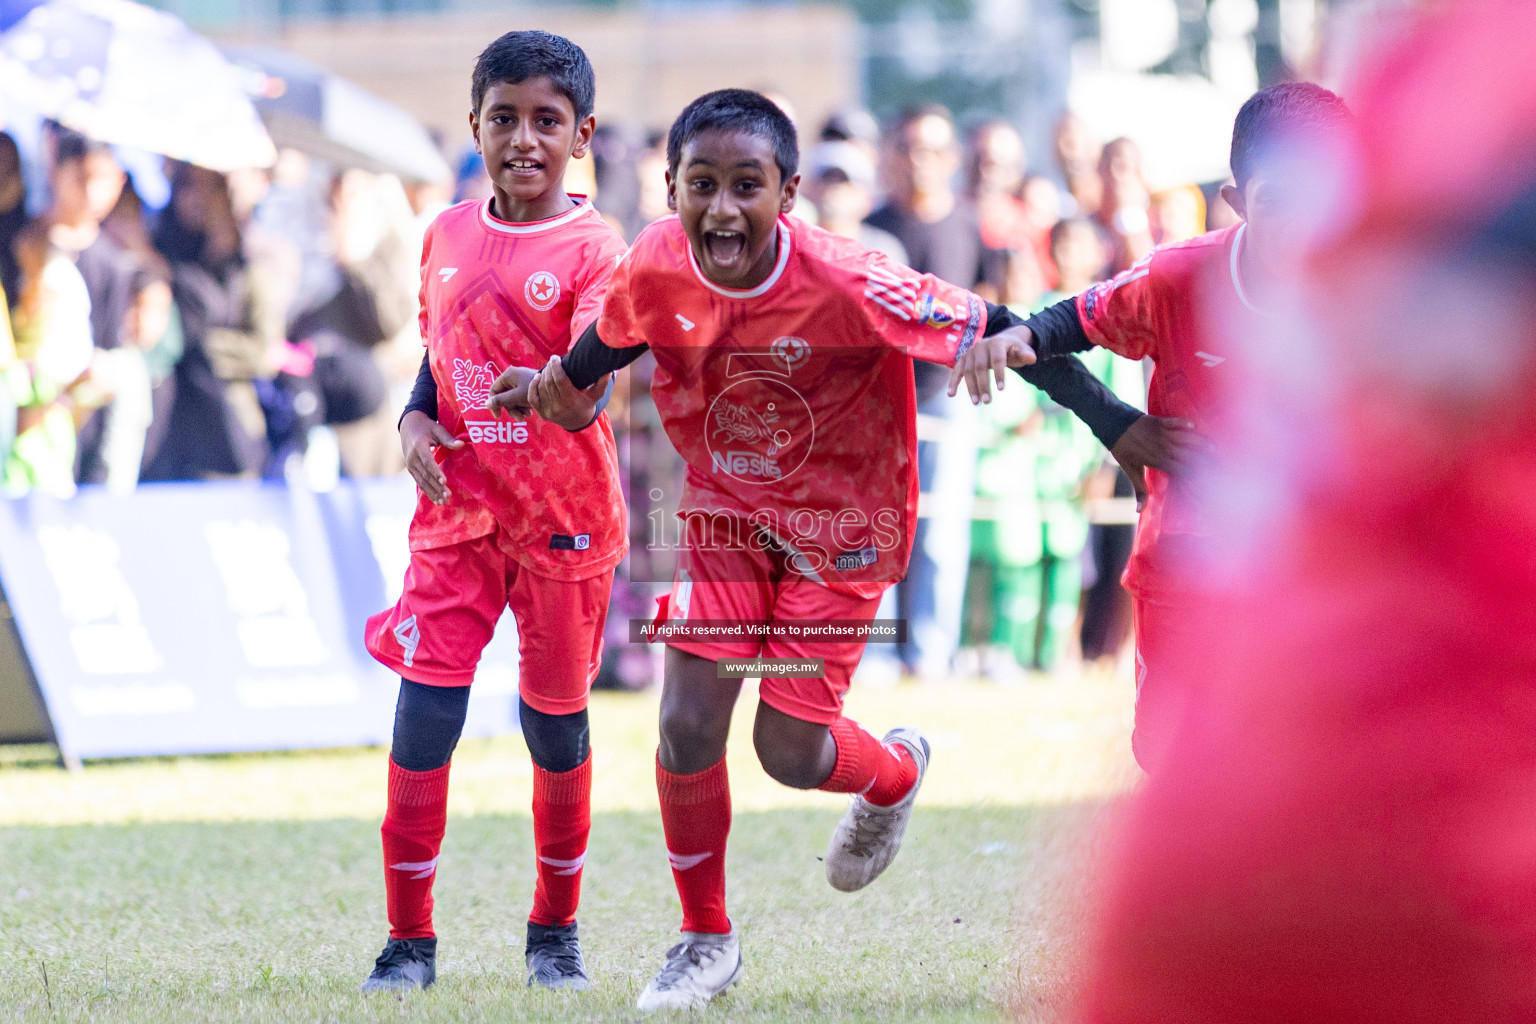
(423,392)
(1072,386)
(589,359)
(557,743)
(1058,331)
(1000,318)
(428,721)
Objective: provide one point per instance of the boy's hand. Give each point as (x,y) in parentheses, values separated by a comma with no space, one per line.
(509,392)
(556,399)
(995,354)
(419,434)
(1158,442)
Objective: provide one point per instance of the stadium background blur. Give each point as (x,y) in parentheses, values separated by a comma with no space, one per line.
(258,323)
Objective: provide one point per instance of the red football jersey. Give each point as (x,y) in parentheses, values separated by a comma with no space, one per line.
(792,403)
(1163,307)
(496,294)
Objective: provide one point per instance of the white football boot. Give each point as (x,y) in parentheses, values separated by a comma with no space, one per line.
(867,838)
(697,969)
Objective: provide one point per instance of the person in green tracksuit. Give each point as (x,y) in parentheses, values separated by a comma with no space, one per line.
(1034,461)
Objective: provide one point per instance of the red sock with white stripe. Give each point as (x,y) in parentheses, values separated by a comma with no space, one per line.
(696,818)
(414,820)
(883,773)
(562,820)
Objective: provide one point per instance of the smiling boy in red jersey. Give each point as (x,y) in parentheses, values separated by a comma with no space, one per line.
(1184,306)
(512,513)
(784,378)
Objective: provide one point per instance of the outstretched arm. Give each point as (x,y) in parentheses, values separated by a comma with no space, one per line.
(1137,441)
(589,359)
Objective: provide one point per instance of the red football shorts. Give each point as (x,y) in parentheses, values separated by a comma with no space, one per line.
(453,597)
(709,586)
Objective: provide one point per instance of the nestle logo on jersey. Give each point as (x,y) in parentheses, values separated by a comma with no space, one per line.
(501,432)
(745,464)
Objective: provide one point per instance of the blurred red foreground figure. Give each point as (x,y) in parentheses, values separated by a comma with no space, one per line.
(1345,826)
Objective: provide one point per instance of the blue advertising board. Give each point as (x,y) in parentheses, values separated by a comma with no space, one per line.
(219,617)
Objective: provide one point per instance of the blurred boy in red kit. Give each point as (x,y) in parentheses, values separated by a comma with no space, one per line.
(1344,826)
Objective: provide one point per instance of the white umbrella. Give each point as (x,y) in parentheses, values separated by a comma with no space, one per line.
(124,73)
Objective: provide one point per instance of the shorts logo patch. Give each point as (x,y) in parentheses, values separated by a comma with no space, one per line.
(682,594)
(542,290)
(855,559)
(566,542)
(409,635)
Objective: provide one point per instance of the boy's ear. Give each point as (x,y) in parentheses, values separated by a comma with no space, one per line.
(1234,197)
(474,129)
(584,129)
(788,193)
(671,192)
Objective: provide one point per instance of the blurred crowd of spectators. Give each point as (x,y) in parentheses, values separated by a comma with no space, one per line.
(262,325)
(207,339)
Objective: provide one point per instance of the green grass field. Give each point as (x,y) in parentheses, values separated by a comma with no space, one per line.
(249,888)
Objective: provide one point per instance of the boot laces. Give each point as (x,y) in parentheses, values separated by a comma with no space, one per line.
(684,956)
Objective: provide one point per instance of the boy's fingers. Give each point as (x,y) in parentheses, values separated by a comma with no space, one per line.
(556,371)
(956,373)
(1020,354)
(431,481)
(508,401)
(1139,486)
(980,384)
(509,379)
(440,437)
(1000,365)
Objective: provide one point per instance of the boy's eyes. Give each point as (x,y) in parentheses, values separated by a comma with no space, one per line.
(702,184)
(543,122)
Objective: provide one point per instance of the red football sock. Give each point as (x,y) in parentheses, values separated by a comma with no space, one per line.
(696,818)
(562,820)
(413,834)
(884,773)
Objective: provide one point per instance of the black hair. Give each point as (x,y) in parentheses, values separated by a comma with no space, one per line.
(736,110)
(71,145)
(1289,110)
(519,56)
(918,111)
(1074,223)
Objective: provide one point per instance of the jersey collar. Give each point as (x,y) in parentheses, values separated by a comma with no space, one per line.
(1237,274)
(506,227)
(748,293)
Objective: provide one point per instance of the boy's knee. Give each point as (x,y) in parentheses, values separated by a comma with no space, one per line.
(692,737)
(792,768)
(793,752)
(687,725)
(557,743)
